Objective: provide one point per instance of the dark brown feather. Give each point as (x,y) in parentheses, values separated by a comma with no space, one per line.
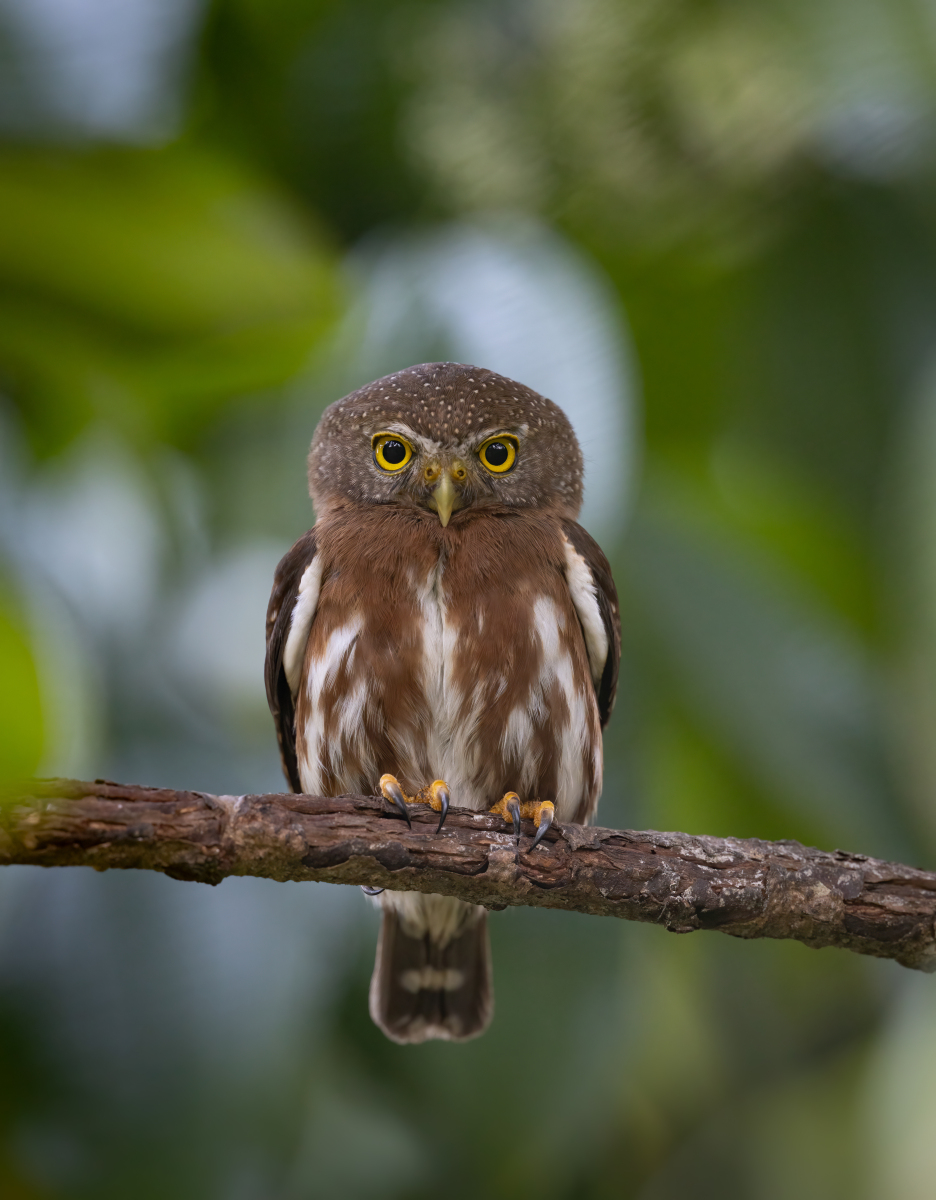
(279,615)
(583,543)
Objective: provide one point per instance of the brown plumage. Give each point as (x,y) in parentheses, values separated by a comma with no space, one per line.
(445,618)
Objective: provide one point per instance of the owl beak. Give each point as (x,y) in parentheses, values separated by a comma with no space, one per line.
(444,498)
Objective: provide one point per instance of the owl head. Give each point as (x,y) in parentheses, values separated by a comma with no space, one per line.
(446,438)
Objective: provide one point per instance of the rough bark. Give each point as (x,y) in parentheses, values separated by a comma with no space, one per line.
(740,886)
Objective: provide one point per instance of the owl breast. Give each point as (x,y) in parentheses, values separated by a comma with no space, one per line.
(448,654)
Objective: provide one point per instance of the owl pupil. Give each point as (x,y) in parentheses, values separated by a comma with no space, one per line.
(393,452)
(496,454)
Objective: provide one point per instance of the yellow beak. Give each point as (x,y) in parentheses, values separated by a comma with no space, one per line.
(443,498)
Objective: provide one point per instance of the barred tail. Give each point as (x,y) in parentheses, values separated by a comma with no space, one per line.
(432,977)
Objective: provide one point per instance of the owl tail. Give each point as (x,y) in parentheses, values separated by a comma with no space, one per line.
(432,977)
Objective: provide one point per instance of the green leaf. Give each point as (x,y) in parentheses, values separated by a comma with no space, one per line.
(144,287)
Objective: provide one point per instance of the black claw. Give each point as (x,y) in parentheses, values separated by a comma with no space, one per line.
(546,819)
(443,795)
(397,799)
(369,891)
(513,807)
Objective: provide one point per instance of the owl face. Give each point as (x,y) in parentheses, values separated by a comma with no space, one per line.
(445,438)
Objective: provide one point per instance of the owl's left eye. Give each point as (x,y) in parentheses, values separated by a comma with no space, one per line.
(499,453)
(391,453)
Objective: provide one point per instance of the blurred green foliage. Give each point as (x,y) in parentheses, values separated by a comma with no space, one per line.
(21,728)
(145,287)
(179,297)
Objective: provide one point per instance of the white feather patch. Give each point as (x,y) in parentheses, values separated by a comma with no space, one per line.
(432,979)
(557,667)
(585,598)
(314,755)
(302,615)
(448,748)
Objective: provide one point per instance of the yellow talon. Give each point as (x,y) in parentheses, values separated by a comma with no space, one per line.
(506,806)
(438,799)
(390,790)
(545,815)
(436,795)
(509,807)
(541,812)
(545,811)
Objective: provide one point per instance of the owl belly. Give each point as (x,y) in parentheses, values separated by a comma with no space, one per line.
(484,687)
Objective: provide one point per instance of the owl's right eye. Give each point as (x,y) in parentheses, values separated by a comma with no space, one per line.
(391,453)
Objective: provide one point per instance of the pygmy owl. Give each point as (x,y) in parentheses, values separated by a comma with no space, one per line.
(445,631)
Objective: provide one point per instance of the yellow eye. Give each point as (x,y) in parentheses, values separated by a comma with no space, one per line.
(499,453)
(391,452)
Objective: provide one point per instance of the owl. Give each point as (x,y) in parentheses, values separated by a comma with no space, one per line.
(445,633)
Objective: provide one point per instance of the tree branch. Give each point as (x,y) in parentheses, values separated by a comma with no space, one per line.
(743,887)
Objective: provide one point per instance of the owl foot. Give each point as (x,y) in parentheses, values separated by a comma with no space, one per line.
(436,795)
(541,812)
(509,807)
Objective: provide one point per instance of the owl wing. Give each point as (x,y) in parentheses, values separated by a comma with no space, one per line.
(289,619)
(596,602)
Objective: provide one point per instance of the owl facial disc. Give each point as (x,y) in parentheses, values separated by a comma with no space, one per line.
(449,439)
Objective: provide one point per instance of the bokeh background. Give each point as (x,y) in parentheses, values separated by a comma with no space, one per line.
(708,230)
